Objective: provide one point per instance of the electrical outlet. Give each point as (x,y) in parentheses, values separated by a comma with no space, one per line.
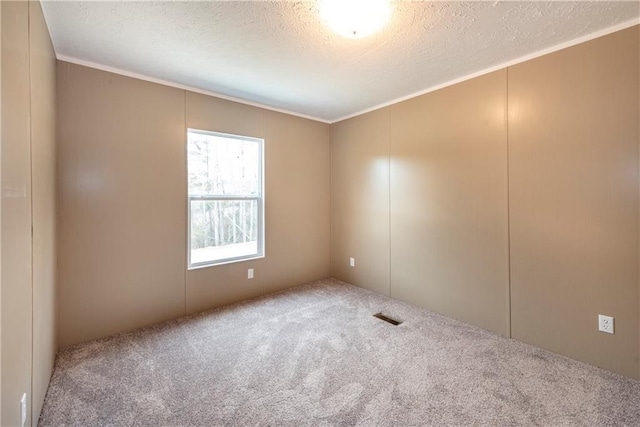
(23,409)
(352,262)
(605,324)
(250,273)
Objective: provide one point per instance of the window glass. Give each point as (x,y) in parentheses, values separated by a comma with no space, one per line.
(223,166)
(226,213)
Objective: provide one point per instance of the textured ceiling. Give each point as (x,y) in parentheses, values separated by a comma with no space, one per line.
(279,53)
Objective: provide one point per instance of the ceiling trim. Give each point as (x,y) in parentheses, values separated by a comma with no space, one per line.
(144,77)
(564,45)
(555,48)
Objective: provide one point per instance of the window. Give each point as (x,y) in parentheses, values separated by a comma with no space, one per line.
(226,205)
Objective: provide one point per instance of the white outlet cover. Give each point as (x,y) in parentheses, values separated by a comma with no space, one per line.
(250,273)
(352,262)
(605,324)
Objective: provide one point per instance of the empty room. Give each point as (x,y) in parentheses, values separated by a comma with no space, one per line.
(318,213)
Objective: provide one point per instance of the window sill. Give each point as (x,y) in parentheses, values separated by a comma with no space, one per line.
(217,264)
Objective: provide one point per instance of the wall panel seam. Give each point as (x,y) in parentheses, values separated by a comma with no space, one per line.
(30,392)
(263,135)
(389,200)
(509,334)
(185,226)
(0,208)
(331,200)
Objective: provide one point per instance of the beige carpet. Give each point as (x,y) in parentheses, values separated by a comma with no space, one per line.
(315,355)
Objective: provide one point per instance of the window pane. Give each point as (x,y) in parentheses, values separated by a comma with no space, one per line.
(222,229)
(220,165)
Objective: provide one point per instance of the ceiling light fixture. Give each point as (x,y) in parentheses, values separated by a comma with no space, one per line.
(355,18)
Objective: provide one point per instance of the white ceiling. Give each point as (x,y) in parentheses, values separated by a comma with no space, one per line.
(280,55)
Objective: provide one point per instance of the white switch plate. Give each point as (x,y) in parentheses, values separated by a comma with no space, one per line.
(23,409)
(352,262)
(605,323)
(250,273)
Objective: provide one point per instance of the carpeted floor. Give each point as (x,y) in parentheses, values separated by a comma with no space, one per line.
(315,355)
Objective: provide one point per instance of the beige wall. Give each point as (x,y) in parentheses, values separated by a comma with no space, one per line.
(416,194)
(297,153)
(360,200)
(449,201)
(213,286)
(552,202)
(0,213)
(297,213)
(28,206)
(43,178)
(16,211)
(121,178)
(122,267)
(573,161)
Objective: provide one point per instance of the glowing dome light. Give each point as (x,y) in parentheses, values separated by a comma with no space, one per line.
(355,18)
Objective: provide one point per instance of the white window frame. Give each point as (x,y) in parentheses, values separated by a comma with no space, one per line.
(259,199)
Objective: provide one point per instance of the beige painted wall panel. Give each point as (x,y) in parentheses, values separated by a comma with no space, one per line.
(297,153)
(210,287)
(16,213)
(98,175)
(360,200)
(122,194)
(449,202)
(573,161)
(223,284)
(43,167)
(296,203)
(0,215)
(219,115)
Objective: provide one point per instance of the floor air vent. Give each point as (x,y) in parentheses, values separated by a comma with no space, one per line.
(387,319)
